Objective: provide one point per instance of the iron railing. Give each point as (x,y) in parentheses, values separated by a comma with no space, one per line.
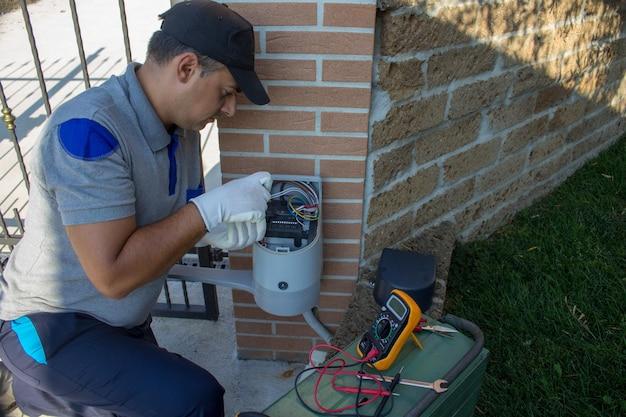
(8,238)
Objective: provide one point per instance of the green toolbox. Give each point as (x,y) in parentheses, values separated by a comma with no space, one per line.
(459,359)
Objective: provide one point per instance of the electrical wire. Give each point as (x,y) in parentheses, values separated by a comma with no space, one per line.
(323,370)
(305,209)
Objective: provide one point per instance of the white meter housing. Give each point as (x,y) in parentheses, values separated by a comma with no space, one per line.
(287,264)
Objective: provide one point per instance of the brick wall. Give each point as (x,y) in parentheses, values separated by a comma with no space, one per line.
(315,58)
(479,107)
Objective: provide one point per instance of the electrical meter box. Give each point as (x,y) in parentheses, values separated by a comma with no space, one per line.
(287,263)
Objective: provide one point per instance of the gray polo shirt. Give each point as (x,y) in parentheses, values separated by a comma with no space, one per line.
(103,155)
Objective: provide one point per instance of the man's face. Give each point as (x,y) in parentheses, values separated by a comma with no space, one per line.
(206,98)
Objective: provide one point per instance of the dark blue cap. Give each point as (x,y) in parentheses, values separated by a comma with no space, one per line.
(214,30)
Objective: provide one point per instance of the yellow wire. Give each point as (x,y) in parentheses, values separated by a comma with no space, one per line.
(299,213)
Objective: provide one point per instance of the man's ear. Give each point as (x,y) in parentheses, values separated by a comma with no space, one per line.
(186,64)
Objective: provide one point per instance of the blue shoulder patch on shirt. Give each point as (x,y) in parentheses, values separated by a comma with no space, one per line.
(87,140)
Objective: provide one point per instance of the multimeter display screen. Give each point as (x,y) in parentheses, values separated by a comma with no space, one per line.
(397,307)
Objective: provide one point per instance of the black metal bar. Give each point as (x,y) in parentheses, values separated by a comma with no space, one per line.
(185,294)
(79,43)
(180,311)
(166,289)
(125,31)
(18,219)
(5,231)
(209,291)
(211,305)
(33,48)
(9,120)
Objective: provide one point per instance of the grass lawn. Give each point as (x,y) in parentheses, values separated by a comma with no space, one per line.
(549,292)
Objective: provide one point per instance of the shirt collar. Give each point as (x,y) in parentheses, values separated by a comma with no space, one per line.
(152,127)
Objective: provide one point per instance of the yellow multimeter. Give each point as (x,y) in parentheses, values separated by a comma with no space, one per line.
(391,329)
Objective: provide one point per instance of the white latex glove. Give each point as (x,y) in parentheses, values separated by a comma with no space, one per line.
(234,214)
(241,200)
(234,236)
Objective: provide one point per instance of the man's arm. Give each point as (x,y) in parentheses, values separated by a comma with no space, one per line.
(118,257)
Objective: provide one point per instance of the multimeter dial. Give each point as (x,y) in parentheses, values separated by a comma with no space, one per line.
(383,328)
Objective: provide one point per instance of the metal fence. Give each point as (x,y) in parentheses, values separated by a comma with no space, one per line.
(11,230)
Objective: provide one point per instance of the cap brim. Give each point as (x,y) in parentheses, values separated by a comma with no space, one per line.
(250,84)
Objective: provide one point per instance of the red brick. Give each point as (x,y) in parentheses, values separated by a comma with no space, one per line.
(240,262)
(350,15)
(344,122)
(344,169)
(277,14)
(278,343)
(320,96)
(343,190)
(341,250)
(342,211)
(250,165)
(348,71)
(271,120)
(318,145)
(340,268)
(285,69)
(255,313)
(239,142)
(320,43)
(243,297)
(294,330)
(253,328)
(342,230)
(338,285)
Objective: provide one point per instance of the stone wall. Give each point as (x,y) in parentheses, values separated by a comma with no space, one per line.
(476,108)
(479,107)
(315,58)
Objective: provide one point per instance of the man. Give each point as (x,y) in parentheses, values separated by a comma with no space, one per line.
(116,200)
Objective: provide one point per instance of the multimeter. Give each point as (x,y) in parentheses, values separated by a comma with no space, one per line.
(391,329)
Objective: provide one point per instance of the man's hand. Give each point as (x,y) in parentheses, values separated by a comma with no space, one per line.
(234,236)
(234,214)
(241,200)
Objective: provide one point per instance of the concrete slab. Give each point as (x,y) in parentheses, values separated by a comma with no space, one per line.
(249,384)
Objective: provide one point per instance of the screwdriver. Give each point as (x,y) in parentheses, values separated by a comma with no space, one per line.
(393,384)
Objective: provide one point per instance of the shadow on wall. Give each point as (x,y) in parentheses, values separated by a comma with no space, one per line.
(481,107)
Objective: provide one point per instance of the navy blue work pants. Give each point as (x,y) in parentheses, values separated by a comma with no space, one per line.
(72,365)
